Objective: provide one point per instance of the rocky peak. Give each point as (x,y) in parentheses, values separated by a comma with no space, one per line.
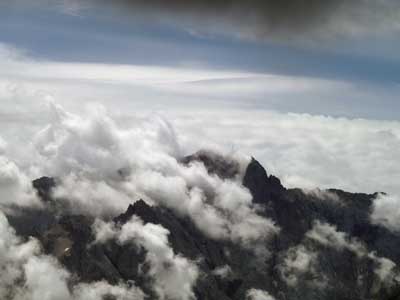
(262,187)
(141,209)
(220,165)
(43,187)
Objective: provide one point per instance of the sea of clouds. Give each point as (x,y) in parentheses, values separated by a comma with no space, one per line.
(50,126)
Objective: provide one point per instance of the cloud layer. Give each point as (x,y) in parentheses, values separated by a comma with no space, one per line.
(304,150)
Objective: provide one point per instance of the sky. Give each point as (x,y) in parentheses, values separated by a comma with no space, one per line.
(351,73)
(279,82)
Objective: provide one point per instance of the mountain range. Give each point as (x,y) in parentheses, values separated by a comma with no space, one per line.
(325,245)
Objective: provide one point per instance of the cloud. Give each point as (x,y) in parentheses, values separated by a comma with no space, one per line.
(25,80)
(15,187)
(100,289)
(13,254)
(173,275)
(327,235)
(386,270)
(298,261)
(300,264)
(255,294)
(299,148)
(88,153)
(324,195)
(96,161)
(386,211)
(304,150)
(45,279)
(223,271)
(88,147)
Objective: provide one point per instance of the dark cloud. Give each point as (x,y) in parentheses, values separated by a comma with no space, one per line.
(290,14)
(272,18)
(259,16)
(259,19)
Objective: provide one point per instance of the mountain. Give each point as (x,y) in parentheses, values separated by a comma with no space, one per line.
(326,246)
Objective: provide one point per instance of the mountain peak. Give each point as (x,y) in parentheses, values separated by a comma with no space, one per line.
(223,166)
(43,186)
(140,208)
(262,187)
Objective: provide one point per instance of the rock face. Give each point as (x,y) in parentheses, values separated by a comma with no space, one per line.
(326,248)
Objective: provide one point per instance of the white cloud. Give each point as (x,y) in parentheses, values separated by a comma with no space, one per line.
(303,150)
(328,235)
(386,211)
(13,254)
(174,275)
(96,198)
(152,88)
(385,270)
(223,271)
(323,195)
(303,259)
(298,260)
(15,187)
(255,294)
(98,290)
(45,279)
(98,161)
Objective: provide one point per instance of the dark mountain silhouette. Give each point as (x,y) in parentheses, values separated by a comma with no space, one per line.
(336,273)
